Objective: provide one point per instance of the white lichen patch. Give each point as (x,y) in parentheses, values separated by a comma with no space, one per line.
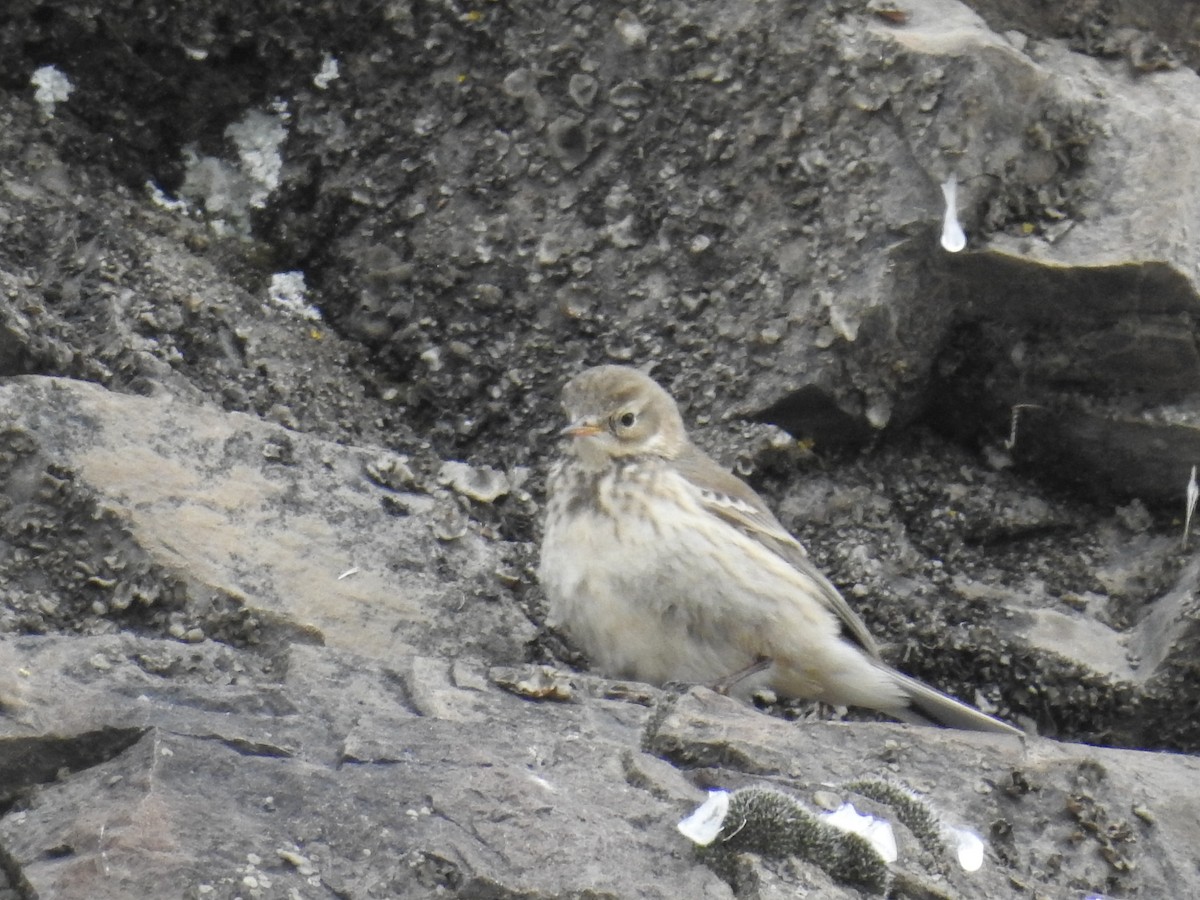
(229,191)
(258,137)
(328,73)
(481,483)
(51,87)
(288,290)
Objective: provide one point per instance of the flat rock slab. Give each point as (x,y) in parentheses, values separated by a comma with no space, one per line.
(203,771)
(1057,818)
(326,778)
(286,525)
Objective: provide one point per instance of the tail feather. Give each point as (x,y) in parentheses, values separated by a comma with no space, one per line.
(931,704)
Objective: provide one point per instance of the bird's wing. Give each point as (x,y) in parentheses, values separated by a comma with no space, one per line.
(729,498)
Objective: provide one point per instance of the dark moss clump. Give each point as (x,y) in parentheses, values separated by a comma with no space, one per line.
(773,824)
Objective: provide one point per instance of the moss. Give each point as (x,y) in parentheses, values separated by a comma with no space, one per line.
(911,810)
(773,824)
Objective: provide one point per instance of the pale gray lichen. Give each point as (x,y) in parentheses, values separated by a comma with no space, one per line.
(288,291)
(230,191)
(51,87)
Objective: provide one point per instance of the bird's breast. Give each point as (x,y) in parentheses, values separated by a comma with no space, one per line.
(628,569)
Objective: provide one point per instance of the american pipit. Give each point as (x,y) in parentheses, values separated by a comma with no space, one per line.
(662,566)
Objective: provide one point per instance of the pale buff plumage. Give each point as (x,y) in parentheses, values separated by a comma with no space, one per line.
(662,566)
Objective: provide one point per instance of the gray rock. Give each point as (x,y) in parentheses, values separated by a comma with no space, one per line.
(335,774)
(297,540)
(1076,815)
(222,529)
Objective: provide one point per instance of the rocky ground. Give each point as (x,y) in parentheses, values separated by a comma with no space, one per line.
(288,291)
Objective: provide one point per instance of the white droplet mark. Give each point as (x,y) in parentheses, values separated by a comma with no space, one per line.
(953,237)
(969,847)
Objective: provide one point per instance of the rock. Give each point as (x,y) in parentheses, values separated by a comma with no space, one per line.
(999,789)
(1103,32)
(322,755)
(482,483)
(324,737)
(307,546)
(223,534)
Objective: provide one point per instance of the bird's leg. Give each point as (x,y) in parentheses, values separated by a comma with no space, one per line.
(729,682)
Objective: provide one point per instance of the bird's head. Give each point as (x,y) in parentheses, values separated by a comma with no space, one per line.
(616,411)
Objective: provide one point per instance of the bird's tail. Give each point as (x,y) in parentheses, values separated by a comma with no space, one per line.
(927,705)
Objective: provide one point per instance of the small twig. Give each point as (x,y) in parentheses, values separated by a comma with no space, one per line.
(1011,443)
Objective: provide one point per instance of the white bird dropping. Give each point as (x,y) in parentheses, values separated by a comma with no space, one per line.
(953,237)
(968,846)
(703,826)
(877,832)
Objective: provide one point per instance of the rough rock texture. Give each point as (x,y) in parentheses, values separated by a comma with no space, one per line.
(339,776)
(267,618)
(342,776)
(240,518)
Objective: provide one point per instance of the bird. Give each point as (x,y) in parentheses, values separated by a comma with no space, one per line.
(664,567)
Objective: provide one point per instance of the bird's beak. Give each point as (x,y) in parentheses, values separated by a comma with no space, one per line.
(582,428)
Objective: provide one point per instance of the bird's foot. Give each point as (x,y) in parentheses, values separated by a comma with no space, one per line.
(729,682)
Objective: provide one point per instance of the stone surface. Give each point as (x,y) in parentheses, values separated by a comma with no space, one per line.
(221,505)
(336,779)
(287,291)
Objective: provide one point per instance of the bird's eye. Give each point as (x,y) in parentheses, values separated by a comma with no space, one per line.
(626,419)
